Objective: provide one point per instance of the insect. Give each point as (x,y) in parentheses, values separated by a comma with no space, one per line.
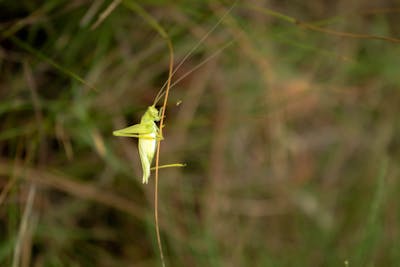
(148,134)
(147,131)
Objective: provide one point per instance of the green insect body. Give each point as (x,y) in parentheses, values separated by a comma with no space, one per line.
(148,134)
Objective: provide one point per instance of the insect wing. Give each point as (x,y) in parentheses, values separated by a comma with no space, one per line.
(147,147)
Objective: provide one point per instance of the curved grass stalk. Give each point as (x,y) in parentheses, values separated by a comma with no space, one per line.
(316,28)
(152,22)
(171,66)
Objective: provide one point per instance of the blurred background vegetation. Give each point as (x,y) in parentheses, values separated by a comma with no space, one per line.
(290,133)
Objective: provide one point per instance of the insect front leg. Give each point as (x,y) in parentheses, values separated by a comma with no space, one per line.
(160,112)
(159,136)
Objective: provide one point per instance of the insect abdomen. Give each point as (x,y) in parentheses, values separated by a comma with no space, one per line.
(147,147)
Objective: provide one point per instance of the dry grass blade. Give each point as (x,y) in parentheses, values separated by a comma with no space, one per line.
(6,189)
(24,226)
(310,26)
(71,186)
(105,13)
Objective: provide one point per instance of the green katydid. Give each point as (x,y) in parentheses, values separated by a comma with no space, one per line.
(147,131)
(148,134)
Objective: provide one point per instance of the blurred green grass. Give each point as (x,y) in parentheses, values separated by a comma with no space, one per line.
(290,135)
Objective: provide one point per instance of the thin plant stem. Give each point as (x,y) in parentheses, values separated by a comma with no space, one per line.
(312,27)
(171,66)
(24,226)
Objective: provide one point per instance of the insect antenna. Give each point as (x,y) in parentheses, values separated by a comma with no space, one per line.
(213,55)
(161,92)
